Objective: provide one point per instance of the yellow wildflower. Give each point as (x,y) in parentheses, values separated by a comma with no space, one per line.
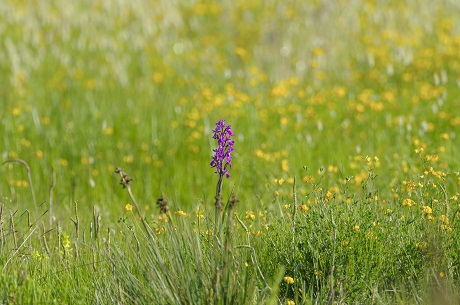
(65,241)
(163,217)
(36,255)
(181,213)
(317,272)
(426,209)
(16,111)
(107,131)
(303,207)
(160,230)
(446,228)
(250,216)
(284,165)
(408,202)
(421,246)
(128,159)
(241,53)
(288,280)
(327,196)
(444,219)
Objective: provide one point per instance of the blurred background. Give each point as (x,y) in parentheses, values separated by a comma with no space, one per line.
(310,88)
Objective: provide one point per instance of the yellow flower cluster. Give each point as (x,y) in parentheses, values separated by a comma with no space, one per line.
(426,209)
(288,280)
(181,213)
(408,202)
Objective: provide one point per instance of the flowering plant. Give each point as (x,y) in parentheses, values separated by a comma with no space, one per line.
(222,158)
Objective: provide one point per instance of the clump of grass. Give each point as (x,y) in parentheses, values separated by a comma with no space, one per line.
(211,262)
(125,182)
(379,247)
(185,265)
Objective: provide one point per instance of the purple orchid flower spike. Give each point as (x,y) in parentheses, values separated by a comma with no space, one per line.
(222,157)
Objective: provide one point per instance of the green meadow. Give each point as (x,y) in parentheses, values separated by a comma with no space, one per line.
(345,178)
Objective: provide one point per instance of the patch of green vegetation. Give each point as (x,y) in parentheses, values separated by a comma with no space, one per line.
(345,172)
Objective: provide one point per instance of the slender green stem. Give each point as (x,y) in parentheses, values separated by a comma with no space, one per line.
(218,203)
(29,176)
(144,223)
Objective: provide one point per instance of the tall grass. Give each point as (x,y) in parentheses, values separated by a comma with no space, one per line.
(345,182)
